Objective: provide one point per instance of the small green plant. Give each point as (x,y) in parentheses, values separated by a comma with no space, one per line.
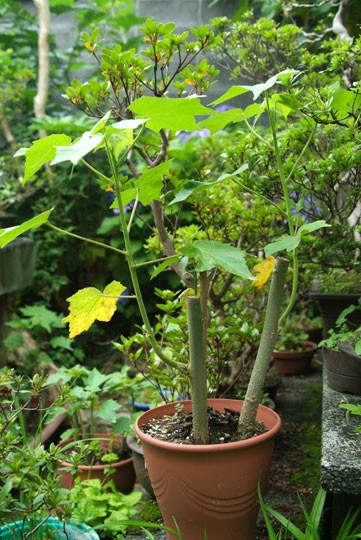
(39,334)
(290,336)
(338,280)
(30,490)
(87,396)
(345,330)
(312,522)
(103,507)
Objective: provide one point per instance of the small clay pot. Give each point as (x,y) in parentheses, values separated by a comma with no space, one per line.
(124,475)
(294,362)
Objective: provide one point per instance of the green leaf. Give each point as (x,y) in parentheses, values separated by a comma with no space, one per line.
(220,120)
(164,265)
(119,140)
(121,425)
(14,341)
(99,126)
(107,410)
(120,134)
(61,342)
(354,409)
(129,124)
(210,254)
(41,152)
(287,242)
(314,226)
(9,234)
(170,113)
(90,304)
(41,316)
(148,186)
(256,89)
(193,186)
(75,152)
(95,380)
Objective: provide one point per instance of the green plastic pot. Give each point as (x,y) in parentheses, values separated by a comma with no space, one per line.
(11,531)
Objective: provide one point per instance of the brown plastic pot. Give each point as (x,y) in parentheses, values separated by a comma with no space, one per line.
(209,488)
(124,475)
(141,470)
(294,362)
(343,370)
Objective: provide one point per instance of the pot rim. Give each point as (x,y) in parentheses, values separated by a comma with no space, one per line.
(309,346)
(98,467)
(197,448)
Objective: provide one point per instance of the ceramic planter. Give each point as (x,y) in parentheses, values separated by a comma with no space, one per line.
(67,531)
(124,475)
(294,362)
(209,488)
(343,369)
(331,306)
(141,471)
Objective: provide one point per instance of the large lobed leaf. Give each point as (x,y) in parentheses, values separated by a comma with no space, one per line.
(90,304)
(9,234)
(209,254)
(176,114)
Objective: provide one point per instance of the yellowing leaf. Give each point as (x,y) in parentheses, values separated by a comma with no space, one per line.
(183,297)
(90,304)
(263,270)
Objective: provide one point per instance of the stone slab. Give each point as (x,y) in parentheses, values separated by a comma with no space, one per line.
(341,445)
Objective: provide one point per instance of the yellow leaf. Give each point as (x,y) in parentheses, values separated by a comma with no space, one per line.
(183,297)
(90,304)
(263,270)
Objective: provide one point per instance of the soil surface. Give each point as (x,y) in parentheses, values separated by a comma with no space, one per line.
(222,428)
(296,460)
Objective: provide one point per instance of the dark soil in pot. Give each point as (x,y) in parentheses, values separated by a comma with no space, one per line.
(178,427)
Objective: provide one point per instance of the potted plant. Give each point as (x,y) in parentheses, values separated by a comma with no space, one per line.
(224,501)
(335,291)
(32,501)
(96,420)
(342,352)
(293,352)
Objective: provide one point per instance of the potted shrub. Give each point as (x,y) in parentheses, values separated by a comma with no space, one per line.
(342,352)
(32,501)
(335,291)
(96,420)
(293,352)
(239,455)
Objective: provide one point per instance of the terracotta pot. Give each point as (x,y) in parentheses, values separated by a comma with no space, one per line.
(124,475)
(211,487)
(343,371)
(141,470)
(294,362)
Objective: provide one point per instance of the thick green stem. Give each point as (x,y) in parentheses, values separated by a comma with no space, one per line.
(132,268)
(290,218)
(266,346)
(198,375)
